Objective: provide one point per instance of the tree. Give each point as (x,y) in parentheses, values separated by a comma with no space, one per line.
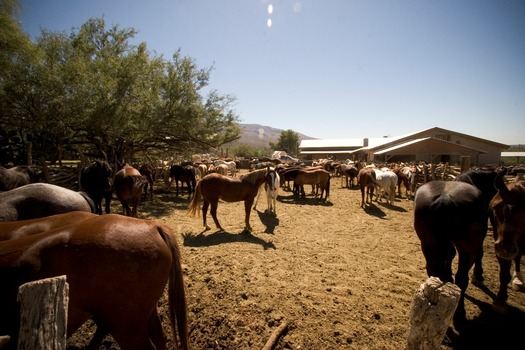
(95,93)
(288,141)
(16,56)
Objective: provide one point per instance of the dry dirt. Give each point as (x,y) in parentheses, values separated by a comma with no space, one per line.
(342,277)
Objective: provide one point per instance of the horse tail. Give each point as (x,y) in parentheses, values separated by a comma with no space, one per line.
(90,201)
(176,293)
(195,204)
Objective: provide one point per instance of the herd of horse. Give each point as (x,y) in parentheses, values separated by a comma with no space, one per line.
(48,230)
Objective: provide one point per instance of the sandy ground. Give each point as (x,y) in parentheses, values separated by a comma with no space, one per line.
(340,276)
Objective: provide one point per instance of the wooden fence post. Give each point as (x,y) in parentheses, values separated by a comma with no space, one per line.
(465,164)
(43,314)
(431,314)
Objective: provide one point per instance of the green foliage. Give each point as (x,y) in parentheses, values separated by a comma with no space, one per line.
(288,141)
(95,93)
(244,150)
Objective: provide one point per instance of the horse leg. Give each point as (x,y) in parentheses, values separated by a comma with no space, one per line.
(205,205)
(247,205)
(257,200)
(213,211)
(466,260)
(504,279)
(477,276)
(517,278)
(156,331)
(134,213)
(107,200)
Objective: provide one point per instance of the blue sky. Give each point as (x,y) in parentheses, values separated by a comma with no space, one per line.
(337,68)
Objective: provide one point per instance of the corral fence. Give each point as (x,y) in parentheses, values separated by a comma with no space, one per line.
(43,315)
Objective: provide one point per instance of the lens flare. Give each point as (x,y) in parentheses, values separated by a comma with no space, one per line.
(269,22)
(270,9)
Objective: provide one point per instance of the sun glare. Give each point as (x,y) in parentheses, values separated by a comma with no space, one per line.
(270,9)
(269,22)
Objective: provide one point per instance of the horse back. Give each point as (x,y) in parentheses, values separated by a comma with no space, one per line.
(41,199)
(449,211)
(312,177)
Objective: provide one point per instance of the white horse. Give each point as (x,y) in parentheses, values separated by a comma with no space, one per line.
(222,169)
(201,170)
(232,167)
(271,187)
(386,182)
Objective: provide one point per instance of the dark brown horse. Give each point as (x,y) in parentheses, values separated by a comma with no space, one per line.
(116,267)
(15,177)
(452,216)
(366,178)
(97,180)
(184,174)
(148,171)
(215,186)
(508,222)
(41,199)
(129,184)
(449,215)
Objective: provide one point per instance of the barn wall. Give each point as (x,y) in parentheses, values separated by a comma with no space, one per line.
(493,155)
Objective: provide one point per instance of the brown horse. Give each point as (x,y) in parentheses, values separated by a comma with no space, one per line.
(129,184)
(508,222)
(148,171)
(116,267)
(318,178)
(366,178)
(215,186)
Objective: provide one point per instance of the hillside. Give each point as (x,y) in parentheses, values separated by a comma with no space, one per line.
(260,136)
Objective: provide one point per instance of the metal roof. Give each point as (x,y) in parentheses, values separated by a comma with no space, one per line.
(513,154)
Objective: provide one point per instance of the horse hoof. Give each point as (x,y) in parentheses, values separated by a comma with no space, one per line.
(207,228)
(477,281)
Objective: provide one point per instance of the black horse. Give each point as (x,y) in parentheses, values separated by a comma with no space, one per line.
(450,216)
(184,174)
(96,180)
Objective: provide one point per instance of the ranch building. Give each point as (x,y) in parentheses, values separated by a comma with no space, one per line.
(432,145)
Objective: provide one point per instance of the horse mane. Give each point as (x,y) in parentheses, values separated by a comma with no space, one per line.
(254,176)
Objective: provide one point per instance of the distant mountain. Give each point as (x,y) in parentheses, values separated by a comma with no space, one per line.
(260,136)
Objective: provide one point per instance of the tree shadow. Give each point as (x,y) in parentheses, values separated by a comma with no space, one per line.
(163,204)
(221,237)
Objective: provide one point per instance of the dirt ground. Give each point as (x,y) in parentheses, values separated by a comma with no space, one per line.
(340,276)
